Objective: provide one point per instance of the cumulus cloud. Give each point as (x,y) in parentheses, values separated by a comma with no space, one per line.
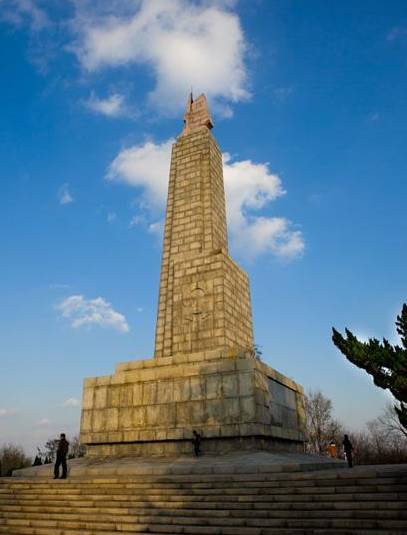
(144,166)
(44,422)
(20,12)
(72,402)
(7,412)
(81,311)
(112,106)
(64,195)
(184,43)
(250,187)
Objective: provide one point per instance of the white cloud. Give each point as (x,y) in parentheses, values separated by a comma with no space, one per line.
(156,228)
(145,166)
(81,311)
(111,216)
(19,12)
(58,286)
(64,195)
(7,412)
(184,43)
(44,422)
(72,402)
(249,186)
(113,106)
(137,220)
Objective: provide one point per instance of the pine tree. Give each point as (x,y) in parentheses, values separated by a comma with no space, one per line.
(387,364)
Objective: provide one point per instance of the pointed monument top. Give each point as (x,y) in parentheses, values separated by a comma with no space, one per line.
(197,116)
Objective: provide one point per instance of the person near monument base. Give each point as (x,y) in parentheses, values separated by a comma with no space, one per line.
(332,450)
(62,452)
(197,443)
(347,446)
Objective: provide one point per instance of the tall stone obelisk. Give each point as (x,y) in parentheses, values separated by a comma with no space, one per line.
(204,296)
(204,374)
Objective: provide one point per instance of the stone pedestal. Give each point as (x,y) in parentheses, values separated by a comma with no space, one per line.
(203,375)
(151,407)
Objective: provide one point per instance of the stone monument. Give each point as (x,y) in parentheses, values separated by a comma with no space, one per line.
(204,374)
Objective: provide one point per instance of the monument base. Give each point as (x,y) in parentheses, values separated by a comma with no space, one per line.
(211,446)
(249,462)
(151,407)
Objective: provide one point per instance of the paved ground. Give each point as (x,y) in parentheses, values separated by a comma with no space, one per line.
(233,463)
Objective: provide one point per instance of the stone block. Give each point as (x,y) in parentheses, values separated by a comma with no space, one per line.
(100,399)
(230,385)
(139,416)
(137,394)
(214,411)
(165,391)
(150,393)
(183,416)
(213,386)
(112,419)
(182,389)
(87,399)
(197,386)
(86,420)
(246,386)
(125,417)
(126,395)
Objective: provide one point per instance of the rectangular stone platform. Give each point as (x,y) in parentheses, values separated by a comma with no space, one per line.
(150,407)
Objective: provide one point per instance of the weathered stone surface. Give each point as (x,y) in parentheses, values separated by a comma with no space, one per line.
(203,375)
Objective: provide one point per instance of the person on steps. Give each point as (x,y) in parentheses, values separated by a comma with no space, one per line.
(62,452)
(347,446)
(197,443)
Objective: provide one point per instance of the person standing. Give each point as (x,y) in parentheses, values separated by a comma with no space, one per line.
(62,452)
(347,446)
(197,443)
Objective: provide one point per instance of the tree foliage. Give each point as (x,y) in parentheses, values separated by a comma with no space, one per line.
(387,364)
(12,457)
(76,448)
(48,452)
(321,427)
(384,442)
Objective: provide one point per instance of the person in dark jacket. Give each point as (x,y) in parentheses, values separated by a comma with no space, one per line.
(62,452)
(197,443)
(347,446)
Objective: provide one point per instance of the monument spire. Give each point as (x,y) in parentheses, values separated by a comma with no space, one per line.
(197,116)
(203,375)
(204,296)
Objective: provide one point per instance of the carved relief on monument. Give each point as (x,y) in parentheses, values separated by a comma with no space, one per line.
(197,307)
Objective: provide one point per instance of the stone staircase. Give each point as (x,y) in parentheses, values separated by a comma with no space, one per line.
(364,500)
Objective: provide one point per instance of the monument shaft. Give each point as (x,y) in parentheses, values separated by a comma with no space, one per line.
(204,296)
(204,374)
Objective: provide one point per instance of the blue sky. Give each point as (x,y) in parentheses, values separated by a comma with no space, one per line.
(310,107)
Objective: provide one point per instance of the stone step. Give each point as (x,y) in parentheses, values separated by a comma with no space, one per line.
(68,491)
(213,508)
(20,530)
(199,479)
(331,496)
(64,486)
(254,475)
(249,504)
(128,514)
(178,524)
(232,528)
